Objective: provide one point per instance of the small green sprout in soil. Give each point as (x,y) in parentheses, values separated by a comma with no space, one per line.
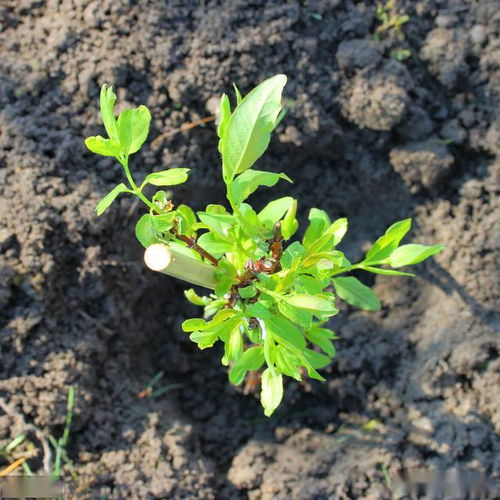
(271,295)
(391,22)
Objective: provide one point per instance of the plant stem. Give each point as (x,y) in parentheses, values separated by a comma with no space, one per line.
(190,242)
(168,260)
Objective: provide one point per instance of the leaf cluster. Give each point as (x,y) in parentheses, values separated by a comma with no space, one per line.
(275,293)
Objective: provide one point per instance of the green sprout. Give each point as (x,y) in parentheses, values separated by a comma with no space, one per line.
(387,15)
(271,296)
(391,22)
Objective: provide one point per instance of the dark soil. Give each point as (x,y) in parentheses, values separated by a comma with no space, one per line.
(367,136)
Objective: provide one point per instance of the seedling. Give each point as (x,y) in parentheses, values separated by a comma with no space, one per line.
(271,297)
(391,21)
(61,443)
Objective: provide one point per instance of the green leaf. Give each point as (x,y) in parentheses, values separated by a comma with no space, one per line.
(317,359)
(247,292)
(249,129)
(307,284)
(140,120)
(225,274)
(107,103)
(384,246)
(285,332)
(319,220)
(220,327)
(290,224)
(315,304)
(216,209)
(232,335)
(246,183)
(275,210)
(101,146)
(324,243)
(251,359)
(194,324)
(249,220)
(224,116)
(110,197)
(299,316)
(292,256)
(196,299)
(272,391)
(163,222)
(389,272)
(408,255)
(204,339)
(239,97)
(214,244)
(190,325)
(286,362)
(124,126)
(322,337)
(355,293)
(334,257)
(160,199)
(145,232)
(338,229)
(170,177)
(218,223)
(187,219)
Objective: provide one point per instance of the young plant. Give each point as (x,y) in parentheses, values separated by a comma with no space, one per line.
(391,21)
(271,296)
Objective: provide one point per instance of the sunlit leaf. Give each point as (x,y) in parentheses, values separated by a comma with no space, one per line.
(101,146)
(249,129)
(408,255)
(107,102)
(272,391)
(384,246)
(110,197)
(169,177)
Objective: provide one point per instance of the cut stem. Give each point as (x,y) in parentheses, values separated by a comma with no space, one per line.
(167,260)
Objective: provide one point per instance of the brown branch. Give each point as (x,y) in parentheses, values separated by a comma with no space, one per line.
(191,243)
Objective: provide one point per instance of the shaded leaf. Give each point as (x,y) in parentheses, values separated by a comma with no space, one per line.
(214,244)
(251,359)
(355,293)
(246,183)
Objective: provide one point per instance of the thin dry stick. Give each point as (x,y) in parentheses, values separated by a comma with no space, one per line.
(14,465)
(47,454)
(191,243)
(182,128)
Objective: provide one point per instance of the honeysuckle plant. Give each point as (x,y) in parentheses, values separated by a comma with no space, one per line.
(270,295)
